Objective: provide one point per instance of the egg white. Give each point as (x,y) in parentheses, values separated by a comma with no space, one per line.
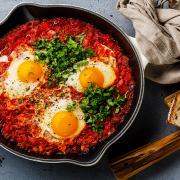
(44,122)
(4,59)
(107,71)
(13,86)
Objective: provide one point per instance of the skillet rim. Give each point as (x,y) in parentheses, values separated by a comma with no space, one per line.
(97,158)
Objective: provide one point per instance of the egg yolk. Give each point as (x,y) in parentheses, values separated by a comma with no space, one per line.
(64,124)
(91,75)
(29,71)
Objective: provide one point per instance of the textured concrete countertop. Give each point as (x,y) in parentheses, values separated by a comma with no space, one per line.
(15,168)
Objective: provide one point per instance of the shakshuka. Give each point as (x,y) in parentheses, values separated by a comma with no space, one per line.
(64,86)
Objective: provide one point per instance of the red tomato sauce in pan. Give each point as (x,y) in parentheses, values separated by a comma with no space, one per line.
(16,122)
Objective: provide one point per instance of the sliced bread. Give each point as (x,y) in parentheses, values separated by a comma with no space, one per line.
(168,100)
(174,113)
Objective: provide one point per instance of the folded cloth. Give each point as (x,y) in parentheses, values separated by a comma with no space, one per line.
(157,31)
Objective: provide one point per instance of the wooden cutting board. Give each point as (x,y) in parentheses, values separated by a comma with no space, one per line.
(134,162)
(139,159)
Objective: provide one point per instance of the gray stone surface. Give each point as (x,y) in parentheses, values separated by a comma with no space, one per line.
(15,168)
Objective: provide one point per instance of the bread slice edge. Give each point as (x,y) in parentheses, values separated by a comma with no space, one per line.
(174,112)
(169,99)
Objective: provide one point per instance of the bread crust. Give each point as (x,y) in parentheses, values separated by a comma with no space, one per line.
(174,112)
(169,99)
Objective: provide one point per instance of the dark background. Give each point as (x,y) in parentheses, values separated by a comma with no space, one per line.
(149,125)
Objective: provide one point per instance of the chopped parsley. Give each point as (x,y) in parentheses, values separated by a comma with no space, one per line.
(45,105)
(98,104)
(28,88)
(31,99)
(71,106)
(80,37)
(80,64)
(62,58)
(20,101)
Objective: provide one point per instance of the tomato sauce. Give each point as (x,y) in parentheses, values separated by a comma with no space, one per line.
(16,122)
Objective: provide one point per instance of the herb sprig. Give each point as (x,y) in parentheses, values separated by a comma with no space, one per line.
(71,106)
(98,104)
(62,58)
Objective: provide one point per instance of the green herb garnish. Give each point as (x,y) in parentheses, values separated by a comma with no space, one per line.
(45,106)
(62,58)
(20,101)
(31,99)
(80,37)
(71,106)
(98,104)
(28,88)
(80,64)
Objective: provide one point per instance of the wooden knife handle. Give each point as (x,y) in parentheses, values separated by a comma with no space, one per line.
(143,157)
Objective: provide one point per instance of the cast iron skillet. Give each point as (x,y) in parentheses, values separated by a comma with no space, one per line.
(25,12)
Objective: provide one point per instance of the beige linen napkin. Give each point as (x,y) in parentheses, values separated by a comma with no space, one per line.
(158,36)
